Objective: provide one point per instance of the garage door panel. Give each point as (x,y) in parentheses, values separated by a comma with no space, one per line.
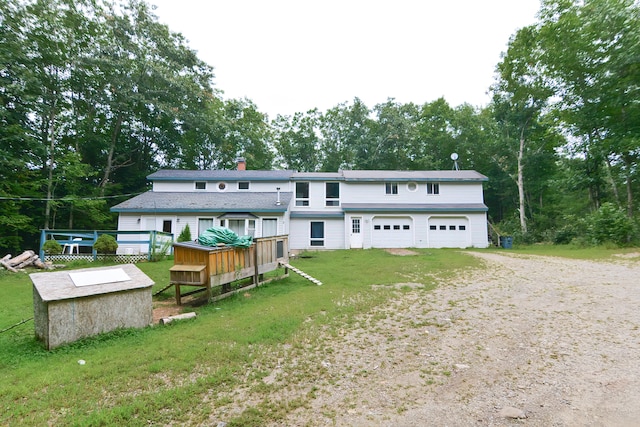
(449,232)
(392,232)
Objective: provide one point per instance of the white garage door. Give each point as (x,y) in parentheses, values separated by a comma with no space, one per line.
(392,232)
(449,232)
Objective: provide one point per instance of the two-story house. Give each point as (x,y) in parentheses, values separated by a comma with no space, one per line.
(340,210)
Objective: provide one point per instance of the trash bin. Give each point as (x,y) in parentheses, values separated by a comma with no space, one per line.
(506,242)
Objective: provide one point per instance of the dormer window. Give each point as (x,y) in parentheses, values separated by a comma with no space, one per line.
(391,188)
(201,185)
(433,188)
(222,186)
(243,185)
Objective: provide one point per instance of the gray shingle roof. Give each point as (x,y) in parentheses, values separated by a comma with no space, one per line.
(378,175)
(205,202)
(219,175)
(286,175)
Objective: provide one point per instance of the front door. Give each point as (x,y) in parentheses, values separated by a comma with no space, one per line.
(355,237)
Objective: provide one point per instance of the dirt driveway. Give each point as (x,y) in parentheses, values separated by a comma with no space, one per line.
(529,341)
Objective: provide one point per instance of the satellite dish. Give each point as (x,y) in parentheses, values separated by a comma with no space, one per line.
(454,157)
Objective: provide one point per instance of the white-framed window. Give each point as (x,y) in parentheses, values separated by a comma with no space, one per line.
(332,194)
(243,185)
(269,227)
(240,226)
(433,188)
(412,186)
(317,233)
(201,185)
(391,188)
(302,194)
(222,186)
(203,224)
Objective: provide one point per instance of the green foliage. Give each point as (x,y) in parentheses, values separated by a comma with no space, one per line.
(160,247)
(105,244)
(185,234)
(609,224)
(52,247)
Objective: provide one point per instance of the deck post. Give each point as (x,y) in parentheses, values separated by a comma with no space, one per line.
(256,269)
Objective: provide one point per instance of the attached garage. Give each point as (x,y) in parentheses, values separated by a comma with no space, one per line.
(449,232)
(392,232)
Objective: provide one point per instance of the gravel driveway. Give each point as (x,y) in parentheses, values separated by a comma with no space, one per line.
(529,340)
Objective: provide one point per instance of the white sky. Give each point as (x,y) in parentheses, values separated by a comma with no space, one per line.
(291,56)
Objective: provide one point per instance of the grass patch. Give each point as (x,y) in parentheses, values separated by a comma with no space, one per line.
(186,372)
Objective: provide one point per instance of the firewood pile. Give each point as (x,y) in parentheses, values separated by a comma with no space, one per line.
(26,259)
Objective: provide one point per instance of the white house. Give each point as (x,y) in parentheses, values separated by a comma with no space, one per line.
(341,210)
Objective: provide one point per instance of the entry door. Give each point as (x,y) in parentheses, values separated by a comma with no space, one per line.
(355,237)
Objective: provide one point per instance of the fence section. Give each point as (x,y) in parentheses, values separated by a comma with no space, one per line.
(132,245)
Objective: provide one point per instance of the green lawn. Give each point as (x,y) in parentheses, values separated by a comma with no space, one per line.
(162,374)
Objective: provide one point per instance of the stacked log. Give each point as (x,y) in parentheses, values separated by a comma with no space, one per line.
(26,259)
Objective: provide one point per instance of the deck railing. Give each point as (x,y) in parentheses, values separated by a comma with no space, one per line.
(146,243)
(205,266)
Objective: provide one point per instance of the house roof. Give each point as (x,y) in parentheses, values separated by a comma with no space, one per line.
(414,207)
(317,176)
(220,175)
(286,175)
(205,202)
(378,175)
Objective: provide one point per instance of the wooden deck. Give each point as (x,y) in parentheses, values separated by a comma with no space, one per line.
(208,267)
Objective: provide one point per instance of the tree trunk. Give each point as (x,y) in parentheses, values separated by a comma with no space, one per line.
(52,145)
(628,167)
(523,217)
(112,149)
(614,187)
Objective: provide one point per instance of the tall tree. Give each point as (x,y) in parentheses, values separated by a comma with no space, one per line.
(591,52)
(345,130)
(297,141)
(519,95)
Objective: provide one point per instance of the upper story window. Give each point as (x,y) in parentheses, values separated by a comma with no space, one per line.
(201,185)
(332,194)
(412,186)
(302,194)
(433,188)
(391,188)
(243,185)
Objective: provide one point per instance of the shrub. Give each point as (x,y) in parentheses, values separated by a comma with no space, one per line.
(185,234)
(52,247)
(105,244)
(609,224)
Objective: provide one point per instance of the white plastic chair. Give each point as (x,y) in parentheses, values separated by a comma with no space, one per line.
(72,246)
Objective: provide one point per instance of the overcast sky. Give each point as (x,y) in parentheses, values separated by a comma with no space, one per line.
(291,56)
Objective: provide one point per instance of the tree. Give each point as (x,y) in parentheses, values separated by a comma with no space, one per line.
(591,52)
(297,141)
(519,95)
(346,131)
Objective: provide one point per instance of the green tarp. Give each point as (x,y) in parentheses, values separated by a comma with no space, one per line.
(215,235)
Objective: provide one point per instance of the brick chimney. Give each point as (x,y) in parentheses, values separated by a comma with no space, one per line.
(242,164)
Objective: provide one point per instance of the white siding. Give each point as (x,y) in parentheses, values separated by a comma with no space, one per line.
(374,192)
(300,233)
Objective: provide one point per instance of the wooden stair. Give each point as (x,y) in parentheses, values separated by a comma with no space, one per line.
(301,273)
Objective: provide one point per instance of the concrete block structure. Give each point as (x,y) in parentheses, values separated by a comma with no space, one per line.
(70,305)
